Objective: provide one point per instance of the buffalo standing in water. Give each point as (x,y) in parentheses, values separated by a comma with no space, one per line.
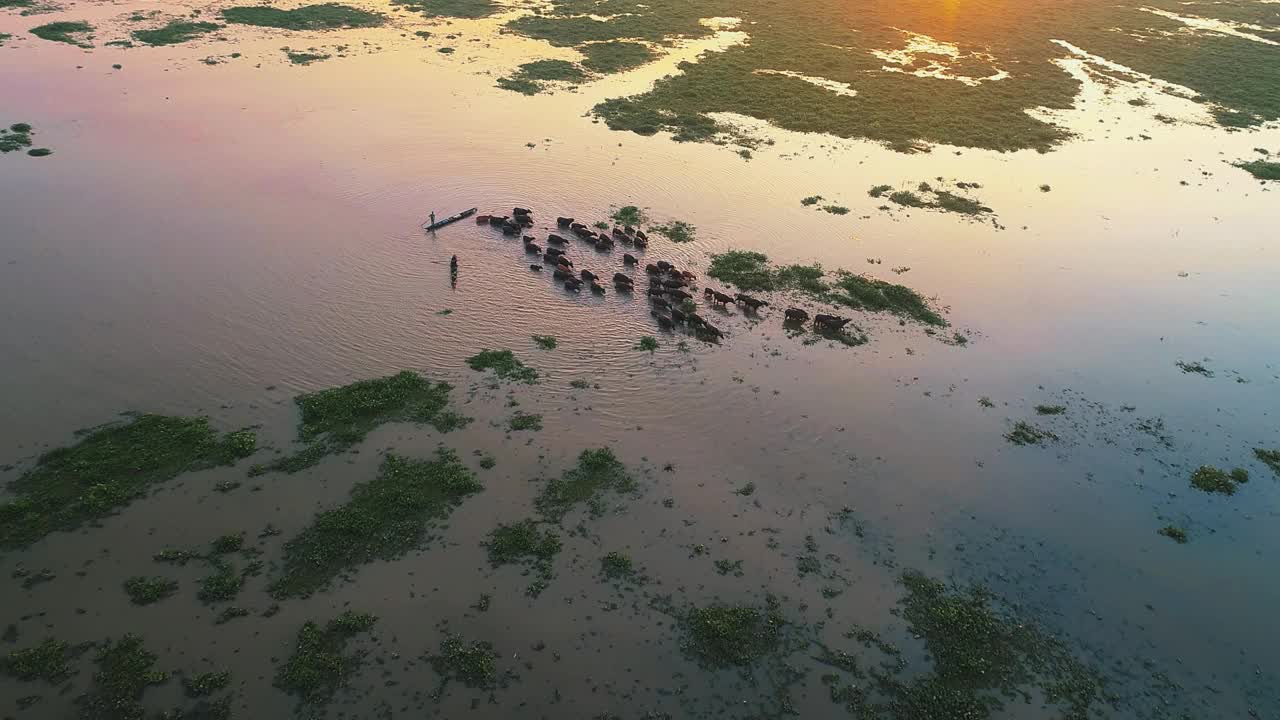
(750,302)
(629,259)
(796,315)
(564,221)
(833,323)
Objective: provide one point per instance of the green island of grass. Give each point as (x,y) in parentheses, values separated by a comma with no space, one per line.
(615,56)
(524,421)
(177,31)
(125,672)
(149,590)
(504,364)
(1214,480)
(15,137)
(522,543)
(752,271)
(304,57)
(77,32)
(46,661)
(451,8)
(318,667)
(676,231)
(596,471)
(472,664)
(720,636)
(1261,169)
(109,468)
(325,16)
(205,684)
(530,78)
(383,519)
(337,419)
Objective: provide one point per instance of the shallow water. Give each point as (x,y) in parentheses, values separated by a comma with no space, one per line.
(216,239)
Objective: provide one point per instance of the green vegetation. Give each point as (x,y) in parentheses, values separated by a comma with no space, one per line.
(109,468)
(579,384)
(726,567)
(1024,433)
(629,215)
(450,8)
(1050,409)
(615,56)
(520,85)
(676,231)
(336,419)
(15,137)
(648,342)
(597,471)
(836,209)
(504,364)
(381,520)
(753,271)
(221,585)
(325,16)
(1270,458)
(523,421)
(1261,169)
(76,33)
(3,37)
(177,31)
(811,200)
(1177,534)
(46,661)
(487,462)
(148,590)
(471,664)
(1213,480)
(880,190)
(521,543)
(931,198)
(205,684)
(720,636)
(530,77)
(304,58)
(224,544)
(617,566)
(1196,368)
(16,3)
(124,674)
(546,342)
(318,667)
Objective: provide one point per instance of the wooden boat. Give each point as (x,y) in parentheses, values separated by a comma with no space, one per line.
(452,219)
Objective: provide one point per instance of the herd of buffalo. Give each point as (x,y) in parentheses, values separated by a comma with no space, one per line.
(669,287)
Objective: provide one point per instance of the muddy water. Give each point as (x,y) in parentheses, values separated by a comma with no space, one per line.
(217,239)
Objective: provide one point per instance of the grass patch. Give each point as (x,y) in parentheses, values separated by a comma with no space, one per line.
(1024,433)
(1194,368)
(78,33)
(811,200)
(15,137)
(1261,169)
(39,152)
(177,31)
(504,364)
(648,342)
(1176,534)
(1214,480)
(546,342)
(222,584)
(836,209)
(1270,458)
(617,566)
(381,520)
(109,468)
(325,16)
(677,231)
(597,471)
(472,664)
(336,419)
(304,58)
(451,8)
(522,543)
(205,684)
(579,384)
(125,671)
(629,215)
(524,421)
(520,85)
(529,77)
(1050,409)
(615,56)
(318,666)
(721,636)
(46,661)
(149,590)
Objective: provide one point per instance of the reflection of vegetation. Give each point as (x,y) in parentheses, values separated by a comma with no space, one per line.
(753,271)
(76,33)
(177,31)
(615,56)
(383,519)
(1262,169)
(318,666)
(1214,480)
(109,468)
(326,16)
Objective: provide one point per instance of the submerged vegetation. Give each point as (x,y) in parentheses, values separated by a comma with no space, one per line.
(720,636)
(504,364)
(78,33)
(148,590)
(596,471)
(336,419)
(1024,433)
(1213,480)
(318,666)
(926,196)
(304,57)
(325,16)
(125,671)
(177,31)
(753,271)
(546,342)
(109,468)
(471,664)
(522,543)
(1174,533)
(524,421)
(383,519)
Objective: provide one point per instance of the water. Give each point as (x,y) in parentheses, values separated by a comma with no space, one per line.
(217,239)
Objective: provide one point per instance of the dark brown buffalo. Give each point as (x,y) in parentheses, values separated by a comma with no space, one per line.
(720,297)
(556,240)
(554,251)
(629,259)
(706,329)
(521,211)
(532,248)
(750,302)
(561,274)
(659,302)
(641,236)
(694,319)
(656,292)
(796,315)
(583,232)
(664,266)
(496,221)
(535,267)
(510,229)
(482,219)
(652,269)
(833,323)
(664,322)
(680,294)
(588,275)
(564,221)
(597,288)
(573,285)
(641,242)
(674,283)
(677,315)
(623,286)
(619,277)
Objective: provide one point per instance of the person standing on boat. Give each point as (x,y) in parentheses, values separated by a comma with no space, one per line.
(433,217)
(453,265)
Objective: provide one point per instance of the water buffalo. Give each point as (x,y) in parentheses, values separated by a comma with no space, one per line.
(641,242)
(641,236)
(510,229)
(527,238)
(554,251)
(750,302)
(663,265)
(573,285)
(496,221)
(796,315)
(664,322)
(482,219)
(677,315)
(524,221)
(583,232)
(521,211)
(577,226)
(659,302)
(674,283)
(652,269)
(556,240)
(628,230)
(719,297)
(629,259)
(688,275)
(680,294)
(706,329)
(617,232)
(564,221)
(561,274)
(694,319)
(597,288)
(656,292)
(535,267)
(604,243)
(588,275)
(829,322)
(623,287)
(532,248)
(619,277)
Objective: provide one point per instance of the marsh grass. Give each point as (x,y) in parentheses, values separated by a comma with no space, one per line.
(318,666)
(617,566)
(721,636)
(473,664)
(615,56)
(596,471)
(205,684)
(78,33)
(629,215)
(546,342)
(1214,480)
(530,78)
(109,468)
(125,671)
(149,590)
(46,661)
(304,58)
(451,8)
(1261,169)
(648,342)
(1174,533)
(1024,433)
(1050,409)
(504,364)
(1270,458)
(325,16)
(524,421)
(177,31)
(381,520)
(677,231)
(523,543)
(336,419)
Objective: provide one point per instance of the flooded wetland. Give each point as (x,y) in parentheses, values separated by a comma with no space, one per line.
(856,359)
